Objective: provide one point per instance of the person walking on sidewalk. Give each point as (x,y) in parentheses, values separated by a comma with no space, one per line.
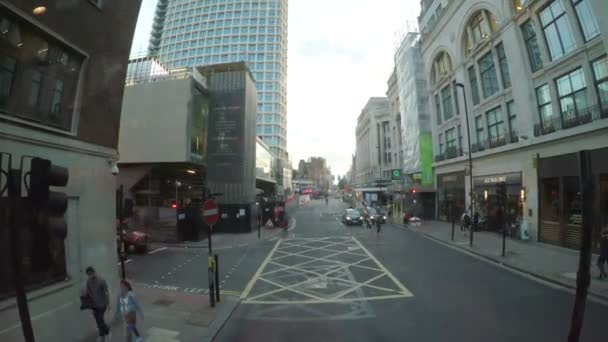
(128,308)
(465,222)
(98,293)
(603,258)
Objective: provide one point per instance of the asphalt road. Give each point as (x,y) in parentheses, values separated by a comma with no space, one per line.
(327,282)
(323,281)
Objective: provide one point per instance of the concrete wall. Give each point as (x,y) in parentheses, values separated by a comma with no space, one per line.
(91,234)
(154,125)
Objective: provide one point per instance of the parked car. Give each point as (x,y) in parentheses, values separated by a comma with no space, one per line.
(351,217)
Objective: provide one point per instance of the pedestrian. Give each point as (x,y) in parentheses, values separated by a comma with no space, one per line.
(476,220)
(99,296)
(603,258)
(128,308)
(465,222)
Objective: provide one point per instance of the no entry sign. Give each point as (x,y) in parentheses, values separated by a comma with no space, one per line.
(211,212)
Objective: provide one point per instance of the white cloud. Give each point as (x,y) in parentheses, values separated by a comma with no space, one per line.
(340,53)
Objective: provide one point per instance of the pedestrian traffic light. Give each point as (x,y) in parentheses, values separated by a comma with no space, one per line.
(48,206)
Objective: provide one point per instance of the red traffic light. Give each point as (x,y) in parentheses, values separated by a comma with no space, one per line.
(173,205)
(413,191)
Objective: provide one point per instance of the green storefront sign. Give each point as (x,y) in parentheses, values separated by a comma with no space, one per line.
(426,159)
(396,174)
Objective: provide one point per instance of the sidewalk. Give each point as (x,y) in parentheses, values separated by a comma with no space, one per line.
(175,316)
(554,264)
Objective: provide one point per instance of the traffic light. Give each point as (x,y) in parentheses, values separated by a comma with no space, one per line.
(48,206)
(413,191)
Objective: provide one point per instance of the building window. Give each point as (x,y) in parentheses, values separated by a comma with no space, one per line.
(479,28)
(487,71)
(558,32)
(504,66)
(46,70)
(600,74)
(442,66)
(550,206)
(441,145)
(35,88)
(544,108)
(7,77)
(496,127)
(450,142)
(512,123)
(586,19)
(479,130)
(438,109)
(572,92)
(446,98)
(536,62)
(474,86)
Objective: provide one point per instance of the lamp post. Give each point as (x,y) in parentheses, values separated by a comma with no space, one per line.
(466,115)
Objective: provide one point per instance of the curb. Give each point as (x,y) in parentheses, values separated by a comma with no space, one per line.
(512,267)
(214,334)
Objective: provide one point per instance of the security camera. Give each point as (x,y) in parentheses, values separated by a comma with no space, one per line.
(114,170)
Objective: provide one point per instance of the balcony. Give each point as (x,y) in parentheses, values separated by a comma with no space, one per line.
(450,153)
(570,120)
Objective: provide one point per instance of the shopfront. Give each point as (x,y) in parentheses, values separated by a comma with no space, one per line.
(450,187)
(487,203)
(560,201)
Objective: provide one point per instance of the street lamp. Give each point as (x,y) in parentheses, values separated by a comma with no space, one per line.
(466,115)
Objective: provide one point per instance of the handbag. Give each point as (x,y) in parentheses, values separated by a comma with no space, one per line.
(86,301)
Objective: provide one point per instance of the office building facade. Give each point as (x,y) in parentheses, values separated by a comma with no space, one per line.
(535,77)
(188,33)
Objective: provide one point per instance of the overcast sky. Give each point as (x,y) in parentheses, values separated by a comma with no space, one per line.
(340,53)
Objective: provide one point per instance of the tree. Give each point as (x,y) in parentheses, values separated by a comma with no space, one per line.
(342,183)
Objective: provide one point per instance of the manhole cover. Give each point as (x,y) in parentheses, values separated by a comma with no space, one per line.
(163,302)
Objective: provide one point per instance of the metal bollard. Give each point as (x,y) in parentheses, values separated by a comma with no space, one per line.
(217,278)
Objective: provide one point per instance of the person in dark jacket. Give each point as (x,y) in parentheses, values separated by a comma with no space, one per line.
(97,290)
(603,258)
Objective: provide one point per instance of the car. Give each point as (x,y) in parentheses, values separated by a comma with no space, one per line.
(352,217)
(134,240)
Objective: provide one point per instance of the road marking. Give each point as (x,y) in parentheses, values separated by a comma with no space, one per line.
(259,270)
(390,275)
(126,261)
(328,277)
(172,288)
(293,227)
(157,250)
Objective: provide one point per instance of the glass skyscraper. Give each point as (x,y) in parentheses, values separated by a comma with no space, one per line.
(199,32)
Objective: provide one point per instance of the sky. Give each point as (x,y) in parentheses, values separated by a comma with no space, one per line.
(340,53)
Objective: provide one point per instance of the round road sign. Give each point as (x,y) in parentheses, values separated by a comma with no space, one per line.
(211,212)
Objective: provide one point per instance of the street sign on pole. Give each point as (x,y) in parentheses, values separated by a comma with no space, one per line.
(211,212)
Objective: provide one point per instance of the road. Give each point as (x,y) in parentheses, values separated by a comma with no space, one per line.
(324,281)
